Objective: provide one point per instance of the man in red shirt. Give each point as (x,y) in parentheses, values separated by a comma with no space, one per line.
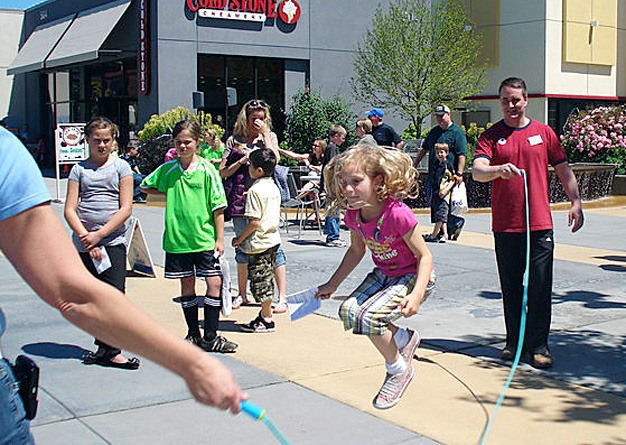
(512,144)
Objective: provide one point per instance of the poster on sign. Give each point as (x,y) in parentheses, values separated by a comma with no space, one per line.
(139,259)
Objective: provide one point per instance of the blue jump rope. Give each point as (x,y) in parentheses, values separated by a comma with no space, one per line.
(258,413)
(522,328)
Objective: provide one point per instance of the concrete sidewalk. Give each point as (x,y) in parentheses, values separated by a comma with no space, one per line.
(317,382)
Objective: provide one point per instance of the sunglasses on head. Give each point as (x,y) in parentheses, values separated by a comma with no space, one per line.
(257,104)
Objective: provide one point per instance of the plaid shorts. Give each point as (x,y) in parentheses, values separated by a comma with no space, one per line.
(375,303)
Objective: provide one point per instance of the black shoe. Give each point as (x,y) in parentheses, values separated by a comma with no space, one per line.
(456,232)
(259,325)
(218,344)
(507,354)
(194,339)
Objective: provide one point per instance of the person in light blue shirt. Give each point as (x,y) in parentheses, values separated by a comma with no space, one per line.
(31,235)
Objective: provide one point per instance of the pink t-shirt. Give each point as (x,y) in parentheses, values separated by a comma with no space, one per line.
(384,237)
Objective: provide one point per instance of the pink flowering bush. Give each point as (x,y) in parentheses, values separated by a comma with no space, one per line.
(597,135)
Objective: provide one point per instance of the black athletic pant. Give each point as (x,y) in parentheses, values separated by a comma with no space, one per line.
(511,260)
(114,275)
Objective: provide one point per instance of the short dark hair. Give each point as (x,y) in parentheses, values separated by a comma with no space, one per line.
(265,159)
(191,125)
(514,82)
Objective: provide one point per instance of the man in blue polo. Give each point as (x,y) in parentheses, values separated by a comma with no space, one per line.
(450,133)
(384,134)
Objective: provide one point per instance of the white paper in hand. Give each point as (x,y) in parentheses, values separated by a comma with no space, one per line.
(227,300)
(105,261)
(303,303)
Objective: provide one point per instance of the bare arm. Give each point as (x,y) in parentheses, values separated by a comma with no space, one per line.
(228,171)
(420,155)
(253,226)
(293,155)
(483,171)
(411,303)
(71,204)
(36,237)
(351,259)
(446,188)
(460,168)
(565,174)
(218,217)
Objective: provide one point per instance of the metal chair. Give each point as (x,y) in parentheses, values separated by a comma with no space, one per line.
(306,208)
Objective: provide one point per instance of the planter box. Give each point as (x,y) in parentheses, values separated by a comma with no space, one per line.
(594,181)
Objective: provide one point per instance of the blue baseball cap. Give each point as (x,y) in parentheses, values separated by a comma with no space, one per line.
(375,112)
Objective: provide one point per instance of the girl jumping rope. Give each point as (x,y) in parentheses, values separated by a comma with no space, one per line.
(369,182)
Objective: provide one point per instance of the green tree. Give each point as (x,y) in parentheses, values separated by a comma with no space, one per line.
(310,116)
(418,53)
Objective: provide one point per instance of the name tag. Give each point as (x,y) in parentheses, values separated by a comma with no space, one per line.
(535,140)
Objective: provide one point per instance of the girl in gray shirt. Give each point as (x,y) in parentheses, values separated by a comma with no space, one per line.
(98,203)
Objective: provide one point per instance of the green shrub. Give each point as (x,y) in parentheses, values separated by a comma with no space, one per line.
(310,116)
(156,135)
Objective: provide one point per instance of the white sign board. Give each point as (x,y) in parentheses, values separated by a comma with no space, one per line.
(138,257)
(70,143)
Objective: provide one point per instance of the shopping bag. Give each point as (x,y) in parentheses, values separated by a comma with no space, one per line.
(458,200)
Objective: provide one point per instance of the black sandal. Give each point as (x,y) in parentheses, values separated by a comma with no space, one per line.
(101,359)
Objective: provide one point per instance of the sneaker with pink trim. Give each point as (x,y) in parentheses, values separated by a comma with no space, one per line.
(408,352)
(393,388)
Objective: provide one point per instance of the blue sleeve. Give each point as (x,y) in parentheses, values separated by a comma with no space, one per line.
(21,184)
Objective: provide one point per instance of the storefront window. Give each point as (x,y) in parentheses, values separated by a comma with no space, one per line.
(250,77)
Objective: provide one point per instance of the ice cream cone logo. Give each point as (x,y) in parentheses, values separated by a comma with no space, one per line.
(289,11)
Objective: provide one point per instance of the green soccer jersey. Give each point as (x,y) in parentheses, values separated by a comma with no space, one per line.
(191,199)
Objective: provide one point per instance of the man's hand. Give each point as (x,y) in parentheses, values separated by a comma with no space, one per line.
(508,171)
(575,219)
(236,242)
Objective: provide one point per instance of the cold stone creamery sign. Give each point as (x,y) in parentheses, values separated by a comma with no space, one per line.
(247,10)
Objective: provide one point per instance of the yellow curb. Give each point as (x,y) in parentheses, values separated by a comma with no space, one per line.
(449,400)
(564,252)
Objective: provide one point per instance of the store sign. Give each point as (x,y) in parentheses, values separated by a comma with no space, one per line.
(144,48)
(70,143)
(246,10)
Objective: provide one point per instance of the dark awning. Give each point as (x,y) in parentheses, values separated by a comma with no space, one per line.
(83,40)
(33,53)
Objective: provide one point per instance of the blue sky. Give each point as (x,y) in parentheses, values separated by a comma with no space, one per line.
(18,4)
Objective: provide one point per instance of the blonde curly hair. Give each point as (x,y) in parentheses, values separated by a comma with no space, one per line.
(241,125)
(395,167)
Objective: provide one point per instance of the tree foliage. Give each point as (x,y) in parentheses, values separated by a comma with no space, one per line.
(310,116)
(418,53)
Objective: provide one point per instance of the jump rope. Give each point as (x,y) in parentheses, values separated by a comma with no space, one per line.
(522,327)
(258,413)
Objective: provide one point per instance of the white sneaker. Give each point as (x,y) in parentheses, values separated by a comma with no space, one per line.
(393,388)
(336,243)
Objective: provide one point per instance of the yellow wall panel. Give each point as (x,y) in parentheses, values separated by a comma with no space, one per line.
(583,43)
(604,47)
(486,15)
(605,12)
(576,47)
(577,10)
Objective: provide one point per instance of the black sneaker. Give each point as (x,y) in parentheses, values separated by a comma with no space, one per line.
(259,325)
(218,344)
(194,339)
(457,232)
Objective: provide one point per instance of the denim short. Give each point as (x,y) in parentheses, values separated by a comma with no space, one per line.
(14,427)
(239,224)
